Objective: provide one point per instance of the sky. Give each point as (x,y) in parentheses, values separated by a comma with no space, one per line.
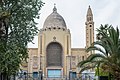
(74,13)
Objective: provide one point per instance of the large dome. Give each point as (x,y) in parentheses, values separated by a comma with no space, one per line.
(54,20)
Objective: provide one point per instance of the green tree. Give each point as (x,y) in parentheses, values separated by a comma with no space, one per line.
(108,52)
(17,29)
(101,72)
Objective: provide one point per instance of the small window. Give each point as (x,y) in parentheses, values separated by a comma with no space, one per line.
(35,74)
(35,59)
(54,28)
(49,28)
(83,58)
(73,58)
(90,25)
(90,18)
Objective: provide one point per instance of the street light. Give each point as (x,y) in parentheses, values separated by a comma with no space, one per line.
(40,75)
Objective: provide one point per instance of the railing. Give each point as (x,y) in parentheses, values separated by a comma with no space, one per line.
(87,76)
(24,76)
(29,76)
(55,77)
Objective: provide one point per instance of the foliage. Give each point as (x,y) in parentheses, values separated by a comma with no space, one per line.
(101,72)
(17,28)
(108,51)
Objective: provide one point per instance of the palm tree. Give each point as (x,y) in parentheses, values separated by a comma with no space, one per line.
(108,52)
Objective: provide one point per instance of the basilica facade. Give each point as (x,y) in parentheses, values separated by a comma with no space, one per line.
(54,56)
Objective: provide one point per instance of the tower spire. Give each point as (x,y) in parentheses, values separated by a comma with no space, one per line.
(89,15)
(89,12)
(89,28)
(54,9)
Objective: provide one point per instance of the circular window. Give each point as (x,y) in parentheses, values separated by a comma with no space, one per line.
(90,25)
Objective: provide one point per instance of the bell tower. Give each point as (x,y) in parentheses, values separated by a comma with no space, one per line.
(89,28)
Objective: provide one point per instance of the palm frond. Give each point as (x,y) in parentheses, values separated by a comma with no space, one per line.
(102,47)
(95,56)
(80,64)
(96,48)
(87,68)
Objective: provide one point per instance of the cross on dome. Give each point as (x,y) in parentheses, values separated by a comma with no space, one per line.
(54,9)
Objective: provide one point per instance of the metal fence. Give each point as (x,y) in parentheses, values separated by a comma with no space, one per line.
(87,76)
(31,76)
(26,76)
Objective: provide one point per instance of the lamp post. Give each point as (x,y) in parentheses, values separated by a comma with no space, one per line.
(40,75)
(40,62)
(40,71)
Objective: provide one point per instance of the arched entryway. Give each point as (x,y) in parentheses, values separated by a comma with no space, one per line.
(54,54)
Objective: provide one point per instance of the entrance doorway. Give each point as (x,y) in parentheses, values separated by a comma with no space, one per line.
(54,73)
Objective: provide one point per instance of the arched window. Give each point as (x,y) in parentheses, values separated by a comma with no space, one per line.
(90,18)
(54,54)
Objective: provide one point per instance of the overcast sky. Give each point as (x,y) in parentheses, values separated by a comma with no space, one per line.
(74,13)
